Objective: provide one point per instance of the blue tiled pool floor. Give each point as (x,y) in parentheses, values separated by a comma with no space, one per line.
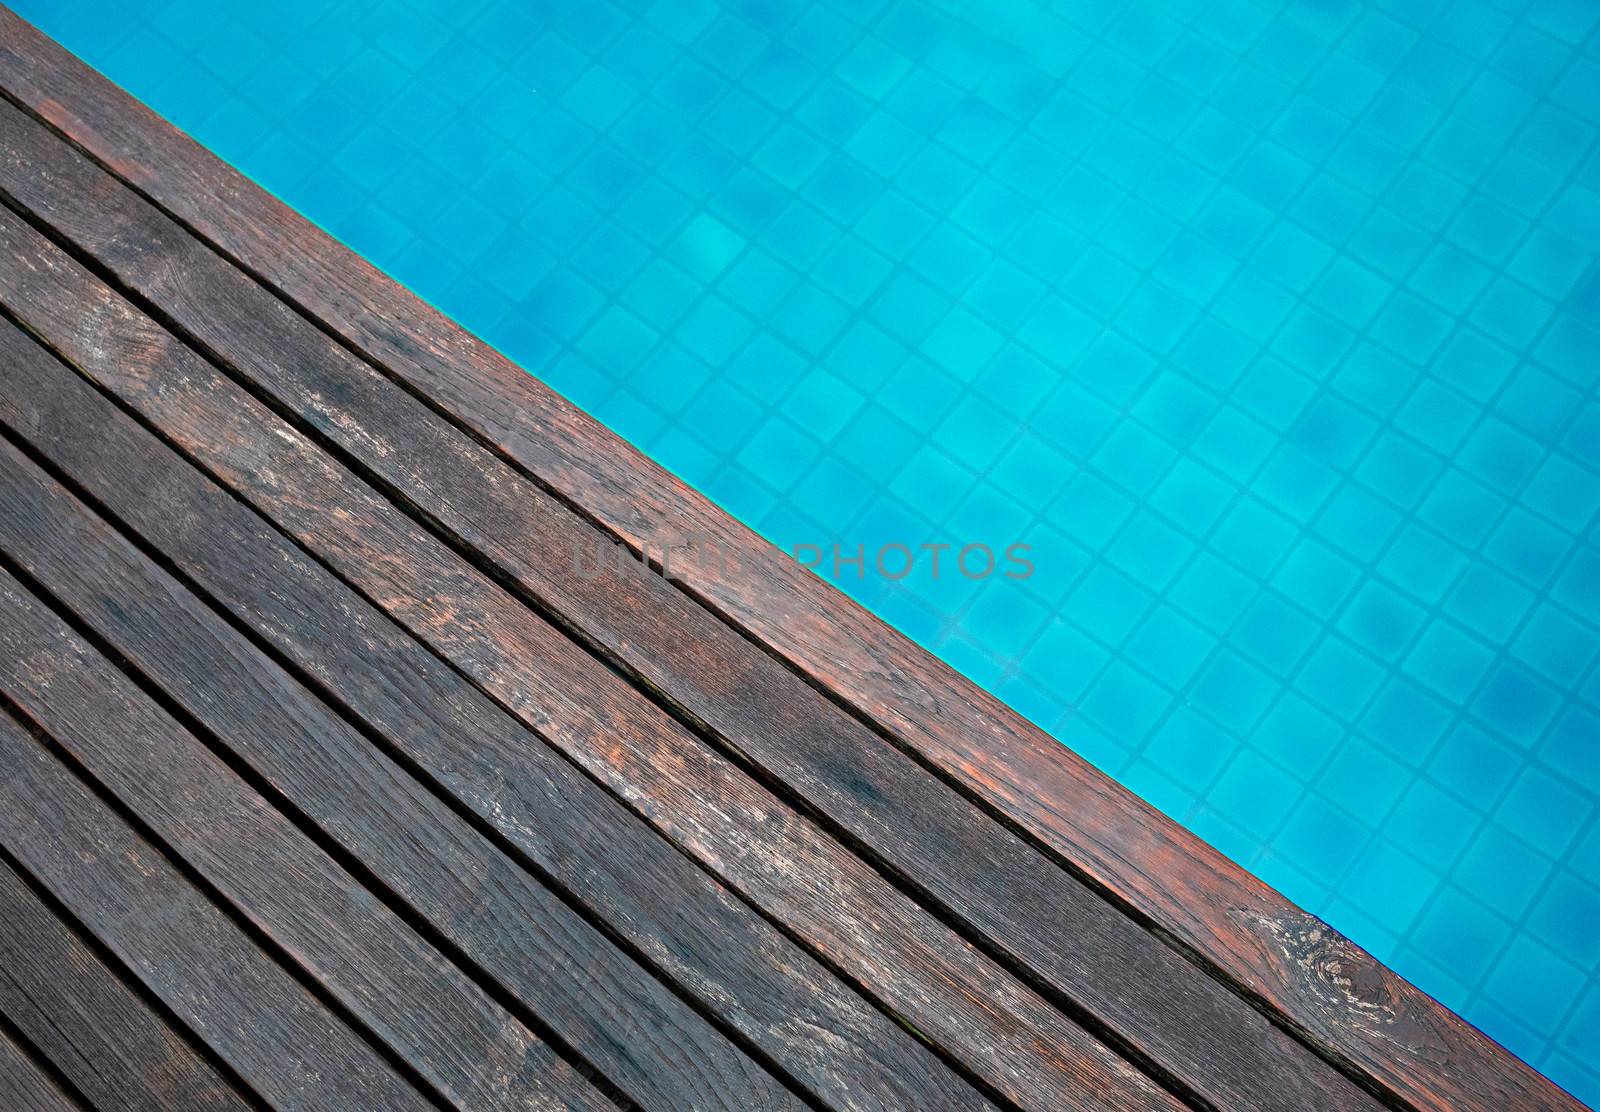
(1273,327)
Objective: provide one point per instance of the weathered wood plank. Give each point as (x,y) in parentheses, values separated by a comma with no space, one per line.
(78,1013)
(1355,1009)
(280,1039)
(891,948)
(848,1053)
(1148,996)
(437,1021)
(28,1088)
(625,1023)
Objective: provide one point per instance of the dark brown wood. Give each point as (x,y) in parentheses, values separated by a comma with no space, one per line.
(444,1027)
(28,1088)
(269,1029)
(739,966)
(1006,893)
(892,949)
(626,1024)
(80,1015)
(1353,1008)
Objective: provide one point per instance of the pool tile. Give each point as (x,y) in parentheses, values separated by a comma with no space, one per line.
(1501,456)
(1255,794)
(1170,647)
(1138,458)
(1123,702)
(1297,482)
(1543,812)
(1461,508)
(1559,647)
(1275,633)
(1488,602)
(1217,142)
(1032,469)
(1292,256)
(1464,936)
(1537,401)
(1433,825)
(1254,304)
(1437,416)
(1512,313)
(1357,523)
(985,508)
(1298,736)
(1579,585)
(1564,918)
(1519,870)
(1422,563)
(1190,749)
(1006,622)
(1572,747)
(1254,536)
(1517,703)
(1109,603)
(1406,720)
(1393,884)
(1390,242)
(1381,620)
(1193,496)
(1534,983)
(1064,660)
(1151,551)
(1233,691)
(1487,230)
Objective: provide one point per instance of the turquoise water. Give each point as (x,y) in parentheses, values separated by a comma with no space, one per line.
(1274,329)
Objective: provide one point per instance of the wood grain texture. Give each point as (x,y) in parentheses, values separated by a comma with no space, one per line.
(625,1023)
(80,1015)
(742,969)
(1338,996)
(272,1032)
(1148,996)
(28,1088)
(892,949)
(444,1027)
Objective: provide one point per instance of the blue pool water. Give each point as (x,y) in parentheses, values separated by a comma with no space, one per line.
(1274,328)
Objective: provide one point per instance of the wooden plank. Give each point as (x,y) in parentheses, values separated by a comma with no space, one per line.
(1354,1008)
(892,950)
(438,1022)
(270,1030)
(26,1086)
(80,1015)
(625,1023)
(738,965)
(1147,997)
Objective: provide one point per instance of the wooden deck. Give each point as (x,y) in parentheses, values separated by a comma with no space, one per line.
(329,780)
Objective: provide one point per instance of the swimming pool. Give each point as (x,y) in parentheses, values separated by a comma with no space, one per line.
(1270,328)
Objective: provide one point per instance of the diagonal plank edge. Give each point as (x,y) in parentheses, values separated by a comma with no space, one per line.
(480,902)
(1355,1011)
(892,949)
(734,962)
(1167,1010)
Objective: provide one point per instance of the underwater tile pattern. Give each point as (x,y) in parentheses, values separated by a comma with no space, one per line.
(1273,327)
